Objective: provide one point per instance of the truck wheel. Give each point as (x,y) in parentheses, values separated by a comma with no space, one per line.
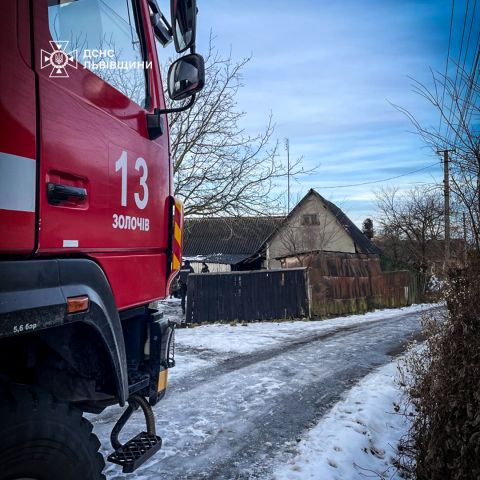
(42,438)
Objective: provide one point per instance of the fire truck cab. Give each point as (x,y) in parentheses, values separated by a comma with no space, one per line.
(90,233)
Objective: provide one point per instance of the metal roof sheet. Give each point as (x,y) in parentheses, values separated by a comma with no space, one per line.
(227,235)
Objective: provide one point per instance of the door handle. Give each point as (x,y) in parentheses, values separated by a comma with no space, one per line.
(58,193)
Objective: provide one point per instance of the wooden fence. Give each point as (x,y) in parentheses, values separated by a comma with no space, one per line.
(246,296)
(343,283)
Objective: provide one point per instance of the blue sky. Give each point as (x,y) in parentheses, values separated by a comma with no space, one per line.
(327,71)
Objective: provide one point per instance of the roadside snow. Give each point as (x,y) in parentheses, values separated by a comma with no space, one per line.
(251,337)
(357,439)
(186,364)
(239,415)
(206,345)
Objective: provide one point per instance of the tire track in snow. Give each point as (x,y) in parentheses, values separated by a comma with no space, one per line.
(231,424)
(229,363)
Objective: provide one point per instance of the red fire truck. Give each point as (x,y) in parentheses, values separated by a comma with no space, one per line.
(90,232)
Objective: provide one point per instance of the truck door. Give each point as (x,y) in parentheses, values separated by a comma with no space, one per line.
(103,183)
(17,133)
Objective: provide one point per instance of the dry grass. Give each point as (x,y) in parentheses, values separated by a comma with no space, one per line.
(442,386)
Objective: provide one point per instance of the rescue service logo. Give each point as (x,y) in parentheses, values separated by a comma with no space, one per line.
(96,60)
(58,59)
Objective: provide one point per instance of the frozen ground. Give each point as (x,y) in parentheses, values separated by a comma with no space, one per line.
(357,438)
(242,397)
(195,344)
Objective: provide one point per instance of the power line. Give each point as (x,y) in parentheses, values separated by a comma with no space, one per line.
(473,75)
(446,64)
(383,180)
(469,80)
(466,110)
(469,34)
(454,90)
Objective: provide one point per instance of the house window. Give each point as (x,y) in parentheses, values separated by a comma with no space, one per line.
(310,219)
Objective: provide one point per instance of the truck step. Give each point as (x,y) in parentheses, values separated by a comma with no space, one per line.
(136,451)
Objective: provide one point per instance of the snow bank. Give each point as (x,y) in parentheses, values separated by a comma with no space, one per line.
(357,439)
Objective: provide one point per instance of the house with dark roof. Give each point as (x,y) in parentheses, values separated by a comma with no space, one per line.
(251,243)
(228,243)
(316,225)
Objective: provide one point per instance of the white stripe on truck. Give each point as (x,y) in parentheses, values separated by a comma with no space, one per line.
(17,183)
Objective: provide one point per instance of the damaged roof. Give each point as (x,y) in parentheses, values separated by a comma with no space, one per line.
(362,243)
(234,238)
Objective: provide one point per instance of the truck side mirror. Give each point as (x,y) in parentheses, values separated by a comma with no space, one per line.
(186,76)
(184,19)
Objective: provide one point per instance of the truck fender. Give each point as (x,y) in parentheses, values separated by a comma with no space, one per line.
(33,297)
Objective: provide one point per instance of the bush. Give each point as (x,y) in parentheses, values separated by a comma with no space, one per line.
(442,383)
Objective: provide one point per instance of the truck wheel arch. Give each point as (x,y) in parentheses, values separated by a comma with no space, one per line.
(33,299)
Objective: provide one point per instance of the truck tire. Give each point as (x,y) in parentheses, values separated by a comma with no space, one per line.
(42,438)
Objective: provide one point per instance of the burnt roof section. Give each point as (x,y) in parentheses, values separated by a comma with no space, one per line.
(362,243)
(233,239)
(226,258)
(227,235)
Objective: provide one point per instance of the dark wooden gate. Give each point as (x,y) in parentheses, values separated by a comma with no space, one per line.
(254,295)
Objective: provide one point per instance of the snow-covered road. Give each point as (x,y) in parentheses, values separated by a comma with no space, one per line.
(243,396)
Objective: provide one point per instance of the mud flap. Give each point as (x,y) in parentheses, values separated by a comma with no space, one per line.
(161,355)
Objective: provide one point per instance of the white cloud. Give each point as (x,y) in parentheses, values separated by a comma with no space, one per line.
(326,70)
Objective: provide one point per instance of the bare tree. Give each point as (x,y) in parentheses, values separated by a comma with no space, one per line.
(367,228)
(412,225)
(131,82)
(457,102)
(218,166)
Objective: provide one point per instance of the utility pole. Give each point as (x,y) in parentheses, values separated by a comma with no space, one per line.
(287,148)
(464,240)
(446,194)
